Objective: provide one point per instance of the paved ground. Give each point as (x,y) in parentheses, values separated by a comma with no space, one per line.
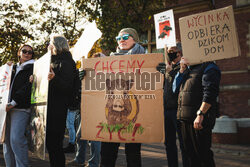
(153,155)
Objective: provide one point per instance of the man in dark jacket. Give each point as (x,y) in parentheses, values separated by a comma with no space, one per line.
(171,91)
(197,110)
(73,109)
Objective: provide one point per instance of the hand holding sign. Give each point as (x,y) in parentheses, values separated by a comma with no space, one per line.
(9,107)
(51,74)
(183,63)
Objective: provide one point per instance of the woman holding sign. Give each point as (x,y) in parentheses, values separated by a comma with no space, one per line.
(127,40)
(60,78)
(18,109)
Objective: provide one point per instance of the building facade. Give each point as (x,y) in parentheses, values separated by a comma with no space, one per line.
(234,98)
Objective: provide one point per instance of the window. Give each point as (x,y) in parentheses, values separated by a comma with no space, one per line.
(240,3)
(148,42)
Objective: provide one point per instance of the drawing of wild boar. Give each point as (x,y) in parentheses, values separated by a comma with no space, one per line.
(121,110)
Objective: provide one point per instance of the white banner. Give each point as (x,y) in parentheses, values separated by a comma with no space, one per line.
(5,77)
(89,36)
(39,97)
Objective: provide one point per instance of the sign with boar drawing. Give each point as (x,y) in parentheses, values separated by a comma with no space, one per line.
(122,99)
(165,29)
(209,36)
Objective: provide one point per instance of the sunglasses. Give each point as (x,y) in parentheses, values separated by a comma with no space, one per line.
(27,52)
(124,37)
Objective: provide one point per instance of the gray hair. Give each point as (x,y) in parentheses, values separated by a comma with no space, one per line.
(60,44)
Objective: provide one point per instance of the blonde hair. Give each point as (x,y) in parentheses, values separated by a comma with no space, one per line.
(60,44)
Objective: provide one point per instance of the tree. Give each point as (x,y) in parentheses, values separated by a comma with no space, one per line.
(113,15)
(12,30)
(62,17)
(34,23)
(58,17)
(95,49)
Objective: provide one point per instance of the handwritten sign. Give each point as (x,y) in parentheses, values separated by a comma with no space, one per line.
(122,99)
(209,36)
(165,29)
(5,77)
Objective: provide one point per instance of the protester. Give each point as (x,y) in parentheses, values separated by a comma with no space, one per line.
(197,110)
(71,130)
(171,92)
(73,109)
(60,78)
(95,146)
(18,109)
(127,40)
(95,149)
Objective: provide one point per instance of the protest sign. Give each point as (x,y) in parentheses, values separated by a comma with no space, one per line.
(209,36)
(165,29)
(122,99)
(89,36)
(39,97)
(5,78)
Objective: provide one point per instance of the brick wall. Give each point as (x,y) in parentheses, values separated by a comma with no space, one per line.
(234,96)
(234,103)
(229,79)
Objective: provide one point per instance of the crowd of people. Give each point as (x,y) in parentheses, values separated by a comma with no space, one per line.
(190,93)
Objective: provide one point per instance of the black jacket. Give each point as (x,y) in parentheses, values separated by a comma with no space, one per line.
(60,88)
(75,95)
(21,87)
(170,97)
(198,86)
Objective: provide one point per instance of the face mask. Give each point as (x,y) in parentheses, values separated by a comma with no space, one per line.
(172,56)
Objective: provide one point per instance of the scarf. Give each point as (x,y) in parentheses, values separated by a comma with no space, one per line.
(137,49)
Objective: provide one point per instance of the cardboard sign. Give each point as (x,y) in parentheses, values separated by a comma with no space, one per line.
(122,99)
(5,77)
(209,36)
(39,97)
(165,29)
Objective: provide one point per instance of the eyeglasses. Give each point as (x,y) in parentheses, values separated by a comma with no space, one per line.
(27,52)
(124,37)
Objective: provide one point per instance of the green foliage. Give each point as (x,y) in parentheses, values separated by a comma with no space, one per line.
(12,31)
(95,49)
(33,25)
(113,15)
(62,17)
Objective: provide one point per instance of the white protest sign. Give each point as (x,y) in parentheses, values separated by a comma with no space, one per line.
(165,29)
(89,36)
(5,77)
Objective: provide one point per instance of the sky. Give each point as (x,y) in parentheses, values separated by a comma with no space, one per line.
(27,2)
